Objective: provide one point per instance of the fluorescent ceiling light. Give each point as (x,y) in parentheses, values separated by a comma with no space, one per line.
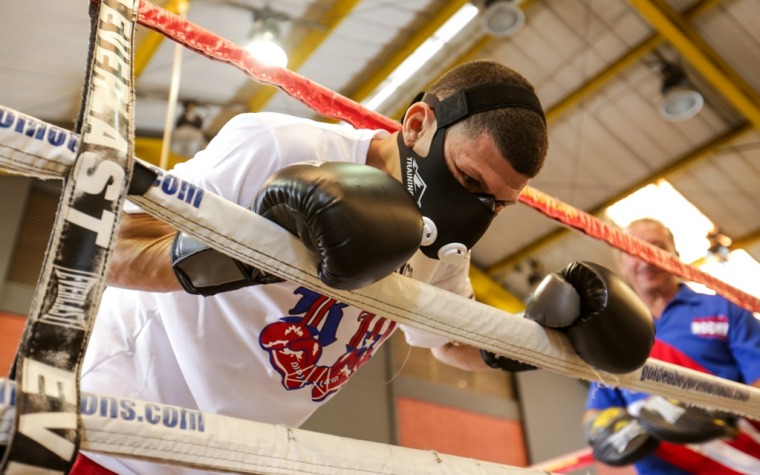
(422,55)
(662,202)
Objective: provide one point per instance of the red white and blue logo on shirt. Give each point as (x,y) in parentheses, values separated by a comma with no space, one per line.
(710,327)
(296,342)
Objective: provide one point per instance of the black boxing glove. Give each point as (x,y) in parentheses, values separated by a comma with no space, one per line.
(606,322)
(361,222)
(617,439)
(673,421)
(504,363)
(202,270)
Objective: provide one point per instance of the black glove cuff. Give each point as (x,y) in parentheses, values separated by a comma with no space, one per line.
(202,270)
(503,363)
(250,277)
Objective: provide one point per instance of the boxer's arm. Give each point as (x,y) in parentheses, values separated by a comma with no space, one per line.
(140,258)
(460,356)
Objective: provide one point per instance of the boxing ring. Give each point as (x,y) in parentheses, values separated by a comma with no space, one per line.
(45,420)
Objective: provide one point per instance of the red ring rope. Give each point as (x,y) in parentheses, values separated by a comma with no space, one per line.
(333,105)
(602,231)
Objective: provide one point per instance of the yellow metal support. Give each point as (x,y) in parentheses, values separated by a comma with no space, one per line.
(586,89)
(601,78)
(490,292)
(614,69)
(149,149)
(145,51)
(680,164)
(746,241)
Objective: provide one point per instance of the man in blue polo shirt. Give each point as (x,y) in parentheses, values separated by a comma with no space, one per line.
(702,332)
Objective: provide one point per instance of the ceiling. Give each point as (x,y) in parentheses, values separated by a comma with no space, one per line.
(593,62)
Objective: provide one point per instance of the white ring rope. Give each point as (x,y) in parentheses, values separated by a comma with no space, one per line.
(163,433)
(46,426)
(218,223)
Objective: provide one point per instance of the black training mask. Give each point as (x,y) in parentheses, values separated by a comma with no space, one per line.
(454,218)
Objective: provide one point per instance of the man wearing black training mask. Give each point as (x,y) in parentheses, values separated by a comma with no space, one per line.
(467,149)
(181,322)
(463,178)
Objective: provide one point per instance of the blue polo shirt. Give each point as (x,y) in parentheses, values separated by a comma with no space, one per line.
(698,331)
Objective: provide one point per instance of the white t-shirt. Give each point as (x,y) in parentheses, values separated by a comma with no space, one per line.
(272,353)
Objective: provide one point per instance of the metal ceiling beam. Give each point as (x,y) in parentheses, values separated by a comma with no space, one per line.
(613,70)
(603,77)
(746,241)
(672,27)
(414,42)
(149,149)
(311,41)
(687,160)
(702,56)
(580,93)
(307,46)
(490,292)
(471,52)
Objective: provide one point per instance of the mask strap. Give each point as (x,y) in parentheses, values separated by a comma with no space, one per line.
(480,99)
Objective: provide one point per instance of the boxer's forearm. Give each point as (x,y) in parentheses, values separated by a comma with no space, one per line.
(460,356)
(140,259)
